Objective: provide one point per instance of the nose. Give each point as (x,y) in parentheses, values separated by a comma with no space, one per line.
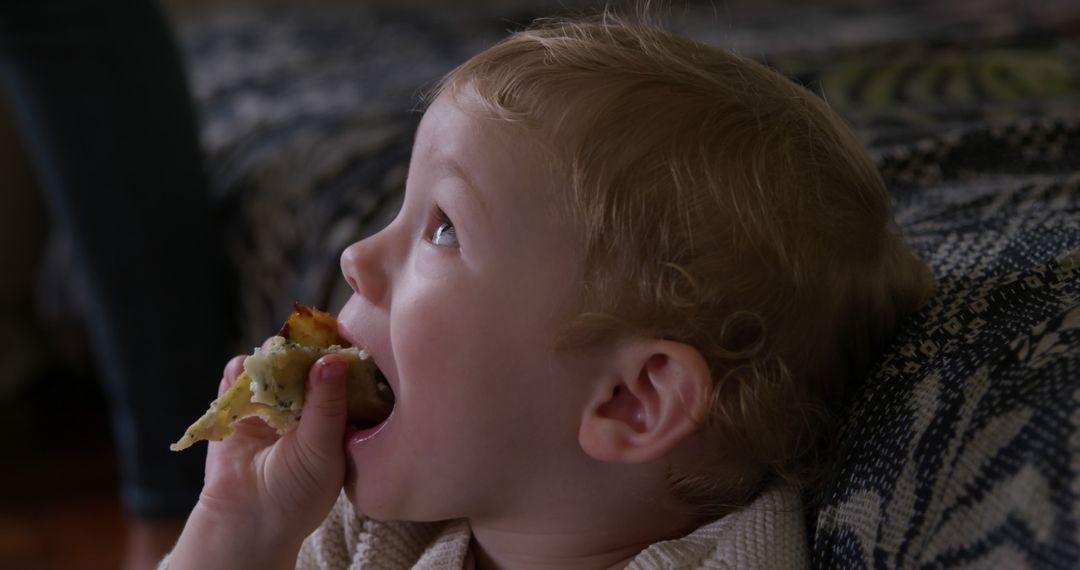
(363,265)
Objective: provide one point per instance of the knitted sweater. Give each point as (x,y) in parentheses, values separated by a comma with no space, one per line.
(767,533)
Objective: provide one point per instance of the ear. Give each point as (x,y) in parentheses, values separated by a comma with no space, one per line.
(655,395)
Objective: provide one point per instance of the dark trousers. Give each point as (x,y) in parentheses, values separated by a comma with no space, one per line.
(99,95)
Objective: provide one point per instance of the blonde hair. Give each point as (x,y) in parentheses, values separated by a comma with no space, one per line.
(722,206)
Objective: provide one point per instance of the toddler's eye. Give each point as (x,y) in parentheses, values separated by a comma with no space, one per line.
(445,234)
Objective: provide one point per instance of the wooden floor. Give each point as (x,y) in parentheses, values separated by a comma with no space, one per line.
(58,504)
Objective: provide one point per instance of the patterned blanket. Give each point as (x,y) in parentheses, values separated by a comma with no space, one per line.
(962,448)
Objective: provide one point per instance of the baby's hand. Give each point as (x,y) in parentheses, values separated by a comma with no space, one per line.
(264,493)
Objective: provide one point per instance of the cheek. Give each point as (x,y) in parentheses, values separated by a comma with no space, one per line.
(465,351)
(476,344)
(449,329)
(429,327)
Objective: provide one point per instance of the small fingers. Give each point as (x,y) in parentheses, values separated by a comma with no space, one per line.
(323,422)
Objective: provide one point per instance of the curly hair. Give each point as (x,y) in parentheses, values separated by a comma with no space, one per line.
(723,206)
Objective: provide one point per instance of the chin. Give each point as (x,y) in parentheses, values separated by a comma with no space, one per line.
(373,500)
(374,503)
(366,506)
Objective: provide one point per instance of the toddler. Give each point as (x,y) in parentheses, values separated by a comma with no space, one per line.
(630,279)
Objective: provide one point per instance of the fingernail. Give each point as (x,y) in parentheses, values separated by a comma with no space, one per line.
(331,370)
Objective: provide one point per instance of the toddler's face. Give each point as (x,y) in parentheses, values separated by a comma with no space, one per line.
(459,300)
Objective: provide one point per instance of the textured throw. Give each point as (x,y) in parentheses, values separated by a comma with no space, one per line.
(964,447)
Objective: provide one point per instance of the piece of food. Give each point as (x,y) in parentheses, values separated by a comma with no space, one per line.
(272,384)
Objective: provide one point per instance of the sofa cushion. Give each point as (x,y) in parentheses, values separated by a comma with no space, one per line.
(963,446)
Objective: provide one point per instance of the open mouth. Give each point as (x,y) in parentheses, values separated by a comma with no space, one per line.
(382,388)
(370,410)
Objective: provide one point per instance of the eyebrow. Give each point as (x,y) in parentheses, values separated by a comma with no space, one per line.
(452,168)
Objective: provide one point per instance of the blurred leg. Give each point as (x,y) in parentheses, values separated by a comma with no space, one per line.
(99,94)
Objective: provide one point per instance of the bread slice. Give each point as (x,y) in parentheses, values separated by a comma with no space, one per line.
(272,384)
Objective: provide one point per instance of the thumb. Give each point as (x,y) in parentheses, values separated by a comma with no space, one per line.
(322,423)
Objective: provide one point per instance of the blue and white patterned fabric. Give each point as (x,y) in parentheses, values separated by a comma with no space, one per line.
(963,447)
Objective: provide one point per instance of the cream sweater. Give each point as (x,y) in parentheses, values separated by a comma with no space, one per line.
(767,533)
